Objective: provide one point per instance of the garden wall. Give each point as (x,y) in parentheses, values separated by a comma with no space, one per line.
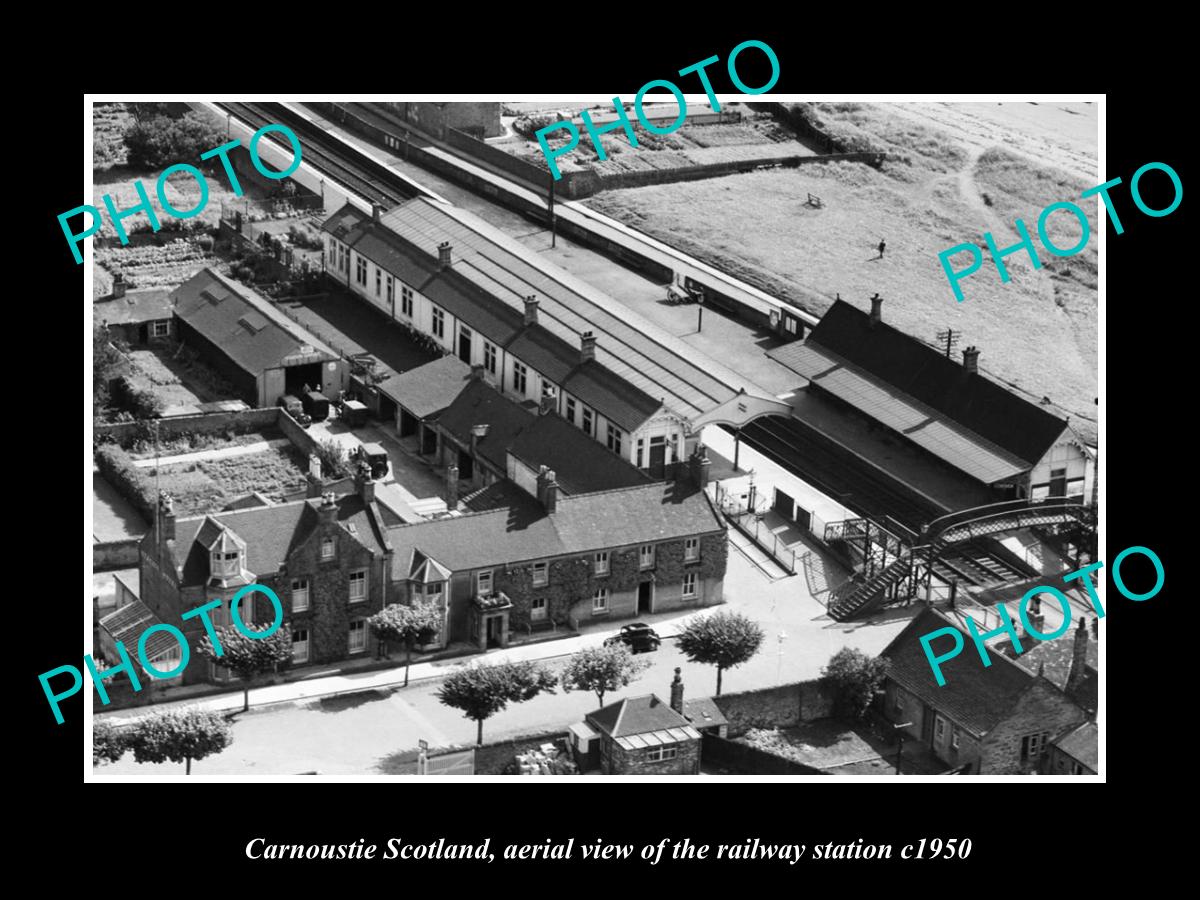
(124,433)
(746,760)
(776,707)
(110,555)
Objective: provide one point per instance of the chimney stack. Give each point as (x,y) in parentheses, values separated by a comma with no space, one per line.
(313,485)
(587,347)
(531,309)
(477,372)
(1078,657)
(444,254)
(376,211)
(327,512)
(363,481)
(478,433)
(547,489)
(677,692)
(549,401)
(876,305)
(699,465)
(166,515)
(451,487)
(971,359)
(118,289)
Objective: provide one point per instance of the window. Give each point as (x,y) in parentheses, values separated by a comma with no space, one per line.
(358,586)
(614,439)
(300,645)
(689,585)
(790,324)
(161,328)
(587,422)
(391,291)
(602,562)
(571,410)
(940,728)
(378,281)
(1077,769)
(439,322)
(299,594)
(343,259)
(954,735)
(600,600)
(489,357)
(691,549)
(1032,745)
(406,300)
(327,548)
(541,574)
(657,754)
(221,616)
(358,635)
(646,557)
(640,447)
(898,703)
(483,583)
(519,373)
(360,271)
(537,609)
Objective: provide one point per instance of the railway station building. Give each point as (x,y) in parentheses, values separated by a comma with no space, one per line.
(543,338)
(990,443)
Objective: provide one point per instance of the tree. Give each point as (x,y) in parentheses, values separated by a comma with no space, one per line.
(109,743)
(179,736)
(724,640)
(160,141)
(407,625)
(481,691)
(249,657)
(106,364)
(855,677)
(601,669)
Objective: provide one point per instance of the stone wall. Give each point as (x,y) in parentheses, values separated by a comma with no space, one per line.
(1043,708)
(743,759)
(776,707)
(110,555)
(204,423)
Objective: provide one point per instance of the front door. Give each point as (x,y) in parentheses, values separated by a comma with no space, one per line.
(464,344)
(493,629)
(646,597)
(941,735)
(658,456)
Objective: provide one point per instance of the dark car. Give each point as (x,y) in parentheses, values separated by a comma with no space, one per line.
(637,636)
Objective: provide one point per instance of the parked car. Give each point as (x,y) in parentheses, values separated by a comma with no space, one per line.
(637,636)
(316,405)
(295,409)
(376,457)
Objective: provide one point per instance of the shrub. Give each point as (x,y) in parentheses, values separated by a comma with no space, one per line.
(119,471)
(333,459)
(160,141)
(855,677)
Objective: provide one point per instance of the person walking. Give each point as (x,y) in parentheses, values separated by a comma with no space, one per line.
(882,247)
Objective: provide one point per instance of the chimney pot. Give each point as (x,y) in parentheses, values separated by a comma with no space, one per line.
(876,306)
(327,512)
(587,347)
(549,401)
(531,309)
(547,489)
(444,253)
(118,287)
(971,359)
(166,504)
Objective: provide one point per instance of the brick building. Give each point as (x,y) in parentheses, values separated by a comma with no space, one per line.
(998,720)
(327,559)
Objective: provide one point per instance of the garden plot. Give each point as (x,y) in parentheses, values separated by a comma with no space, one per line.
(209,485)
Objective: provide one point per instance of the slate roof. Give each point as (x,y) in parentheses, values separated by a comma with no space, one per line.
(636,715)
(582,523)
(270,534)
(580,464)
(136,307)
(1053,658)
(703,713)
(426,390)
(888,356)
(127,624)
(975,697)
(245,326)
(481,404)
(485,285)
(1083,744)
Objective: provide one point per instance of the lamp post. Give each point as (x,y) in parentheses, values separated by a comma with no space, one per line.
(779,666)
(900,751)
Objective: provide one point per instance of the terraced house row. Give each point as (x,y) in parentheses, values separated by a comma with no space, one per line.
(540,335)
(543,561)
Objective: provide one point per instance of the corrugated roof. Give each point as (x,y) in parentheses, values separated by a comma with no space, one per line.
(582,523)
(428,389)
(975,697)
(971,400)
(924,426)
(245,326)
(488,265)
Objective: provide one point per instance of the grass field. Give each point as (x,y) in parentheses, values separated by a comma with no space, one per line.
(1037,333)
(209,485)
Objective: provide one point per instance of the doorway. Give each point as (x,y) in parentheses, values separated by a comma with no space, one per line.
(464,344)
(493,630)
(941,735)
(646,597)
(658,456)
(466,466)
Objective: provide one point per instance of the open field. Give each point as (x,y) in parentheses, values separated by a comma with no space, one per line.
(208,485)
(1037,333)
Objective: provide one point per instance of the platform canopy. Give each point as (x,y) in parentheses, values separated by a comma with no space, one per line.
(741,409)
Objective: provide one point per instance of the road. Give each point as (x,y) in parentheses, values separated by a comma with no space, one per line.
(357,734)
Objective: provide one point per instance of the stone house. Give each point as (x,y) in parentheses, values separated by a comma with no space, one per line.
(996,720)
(1075,753)
(327,559)
(640,736)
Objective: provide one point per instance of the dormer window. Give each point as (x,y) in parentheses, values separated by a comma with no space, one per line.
(225,564)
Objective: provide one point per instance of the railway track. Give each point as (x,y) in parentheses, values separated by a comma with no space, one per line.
(980,564)
(801,451)
(372,184)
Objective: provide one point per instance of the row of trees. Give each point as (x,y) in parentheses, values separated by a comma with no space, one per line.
(178,736)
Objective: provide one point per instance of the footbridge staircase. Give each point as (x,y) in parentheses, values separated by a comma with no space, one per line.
(897,562)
